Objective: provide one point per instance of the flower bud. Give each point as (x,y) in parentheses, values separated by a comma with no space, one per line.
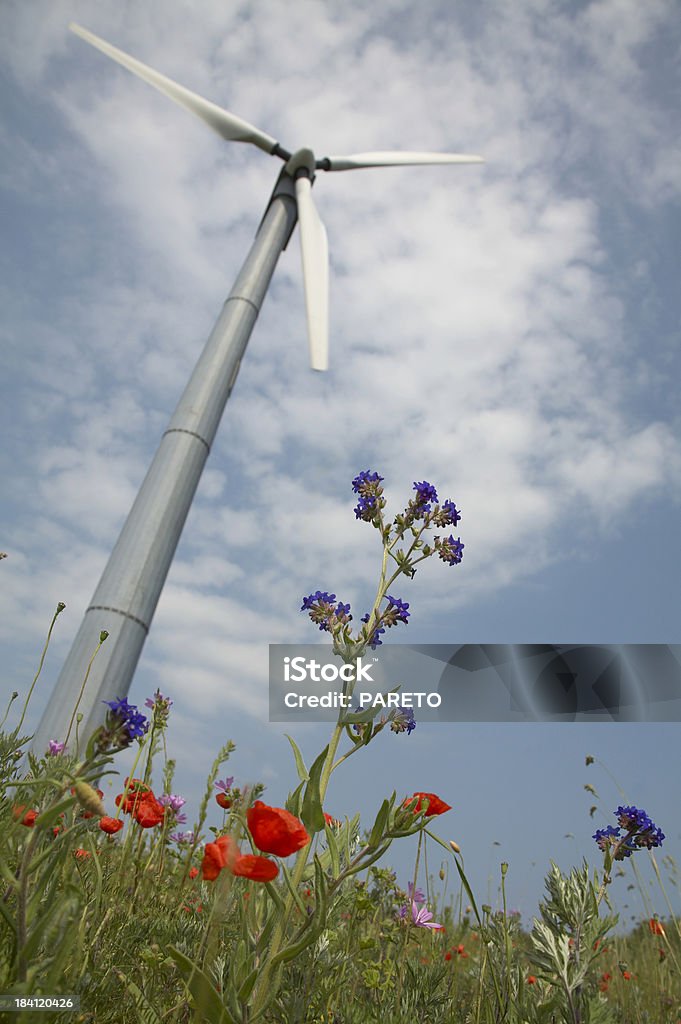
(88,798)
(442,874)
(455,846)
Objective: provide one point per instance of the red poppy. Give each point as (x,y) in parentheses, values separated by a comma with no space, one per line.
(275,830)
(149,812)
(258,869)
(193,872)
(626,975)
(448,955)
(135,792)
(655,926)
(224,853)
(110,825)
(223,800)
(136,786)
(218,855)
(531,980)
(140,801)
(435,804)
(27,818)
(81,854)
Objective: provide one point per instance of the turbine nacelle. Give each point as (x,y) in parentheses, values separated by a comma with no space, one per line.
(301,166)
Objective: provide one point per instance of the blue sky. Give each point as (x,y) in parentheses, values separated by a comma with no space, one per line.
(509,332)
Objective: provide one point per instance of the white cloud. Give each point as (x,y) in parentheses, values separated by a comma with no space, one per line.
(479,337)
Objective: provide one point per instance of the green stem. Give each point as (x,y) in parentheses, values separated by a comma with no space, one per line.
(22,905)
(102,637)
(60,608)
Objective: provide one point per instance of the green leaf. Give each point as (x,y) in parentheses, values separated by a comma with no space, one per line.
(469,891)
(247,987)
(294,801)
(314,926)
(333,851)
(49,816)
(303,773)
(55,914)
(145,1011)
(311,813)
(378,830)
(292,889)
(204,995)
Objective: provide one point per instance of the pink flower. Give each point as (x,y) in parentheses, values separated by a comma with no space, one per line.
(422,918)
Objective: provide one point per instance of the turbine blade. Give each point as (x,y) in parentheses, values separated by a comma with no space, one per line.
(227,125)
(315,251)
(394,158)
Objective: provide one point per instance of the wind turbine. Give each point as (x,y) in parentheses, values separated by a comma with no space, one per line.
(128,591)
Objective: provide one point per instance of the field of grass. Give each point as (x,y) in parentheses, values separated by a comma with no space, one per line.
(276,918)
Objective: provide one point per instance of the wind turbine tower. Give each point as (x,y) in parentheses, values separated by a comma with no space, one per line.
(127,594)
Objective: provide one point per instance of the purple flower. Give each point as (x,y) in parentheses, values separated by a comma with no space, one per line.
(415,894)
(639,833)
(374,639)
(364,479)
(132,722)
(226,784)
(448,515)
(402,720)
(172,801)
(324,611)
(604,835)
(54,748)
(450,550)
(425,493)
(371,501)
(397,611)
(632,818)
(158,698)
(182,837)
(161,706)
(365,508)
(421,917)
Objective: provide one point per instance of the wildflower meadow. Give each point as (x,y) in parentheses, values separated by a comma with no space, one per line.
(135,910)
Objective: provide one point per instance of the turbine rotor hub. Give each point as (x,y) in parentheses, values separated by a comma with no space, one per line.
(302,163)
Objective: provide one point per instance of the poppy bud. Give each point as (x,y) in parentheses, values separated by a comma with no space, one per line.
(88,798)
(455,846)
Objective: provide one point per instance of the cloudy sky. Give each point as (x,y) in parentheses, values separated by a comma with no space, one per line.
(507,331)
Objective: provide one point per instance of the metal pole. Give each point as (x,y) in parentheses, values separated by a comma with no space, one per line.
(131,584)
